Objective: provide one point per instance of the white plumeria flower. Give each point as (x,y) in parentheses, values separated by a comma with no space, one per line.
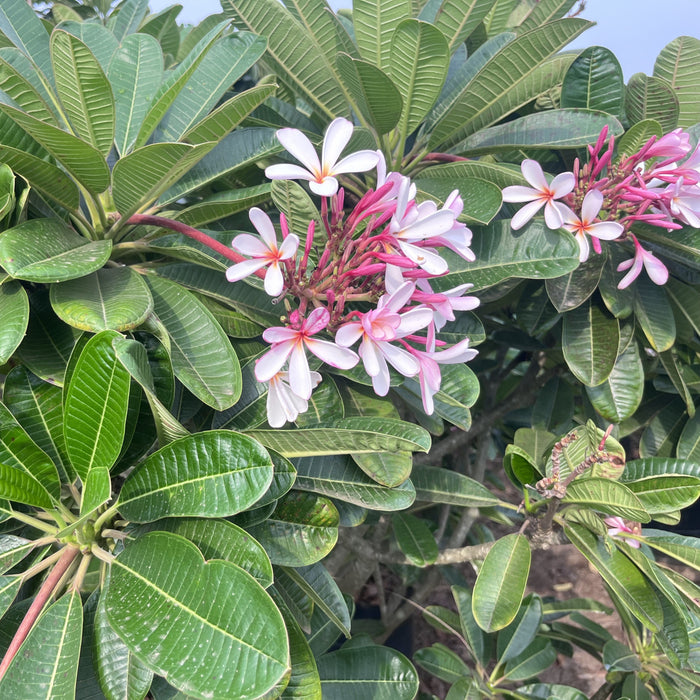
(378,328)
(587,225)
(321,174)
(541,194)
(283,405)
(617,525)
(684,203)
(262,252)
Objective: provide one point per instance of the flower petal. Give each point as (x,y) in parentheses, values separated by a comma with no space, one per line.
(348,334)
(317,320)
(337,136)
(657,271)
(402,361)
(520,193)
(287,171)
(532,172)
(263,225)
(562,184)
(289,247)
(358,162)
(274,281)
(299,376)
(300,147)
(271,362)
(525,214)
(332,354)
(583,246)
(592,203)
(243,269)
(324,188)
(248,244)
(553,216)
(607,230)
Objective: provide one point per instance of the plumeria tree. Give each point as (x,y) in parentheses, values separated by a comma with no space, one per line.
(300,310)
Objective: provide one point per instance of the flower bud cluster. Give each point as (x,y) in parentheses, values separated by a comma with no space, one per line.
(362,278)
(659,185)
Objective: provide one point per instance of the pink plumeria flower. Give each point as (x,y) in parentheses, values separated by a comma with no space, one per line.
(291,343)
(586,225)
(616,525)
(444,303)
(541,194)
(675,144)
(657,271)
(262,252)
(684,203)
(378,328)
(321,174)
(283,405)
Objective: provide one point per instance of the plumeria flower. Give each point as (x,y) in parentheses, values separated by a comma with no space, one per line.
(377,328)
(321,174)
(657,271)
(616,525)
(444,303)
(282,403)
(684,203)
(291,343)
(675,144)
(262,252)
(586,224)
(541,194)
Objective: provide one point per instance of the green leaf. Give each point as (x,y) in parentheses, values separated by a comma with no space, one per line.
(96,37)
(84,162)
(46,664)
(209,474)
(672,366)
(19,79)
(202,356)
(47,250)
(500,585)
(220,539)
(20,24)
(18,452)
(372,672)
(544,11)
(595,81)
(590,340)
(514,639)
(572,290)
(654,314)
(135,72)
(457,19)
(356,435)
(129,17)
(224,204)
(97,490)
(663,430)
(678,64)
(418,61)
(302,529)
(154,602)
(437,485)
(657,466)
(482,199)
(9,588)
(110,299)
(292,199)
(415,539)
(12,550)
(377,97)
(637,135)
(649,98)
(84,91)
(14,317)
(666,493)
(21,487)
(610,497)
(539,656)
(338,477)
(441,662)
(375,22)
(164,28)
(618,572)
(95,406)
(478,644)
(387,468)
(535,252)
(556,128)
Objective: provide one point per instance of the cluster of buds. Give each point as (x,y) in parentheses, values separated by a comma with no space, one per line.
(363,278)
(659,185)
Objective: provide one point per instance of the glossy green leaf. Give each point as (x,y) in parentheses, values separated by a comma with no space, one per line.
(47,250)
(223,204)
(514,639)
(442,662)
(372,672)
(20,24)
(557,128)
(12,550)
(220,539)
(20,80)
(296,204)
(657,466)
(654,314)
(100,40)
(19,486)
(110,299)
(374,23)
(648,97)
(610,497)
(539,656)
(9,588)
(135,73)
(501,582)
(302,529)
(14,317)
(84,91)
(163,26)
(437,485)
(18,452)
(415,539)
(210,474)
(673,367)
(154,602)
(618,572)
(418,61)
(95,406)
(637,135)
(572,290)
(127,20)
(677,64)
(387,468)
(356,435)
(663,430)
(482,199)
(97,490)
(554,406)
(684,549)
(667,493)
(377,96)
(339,477)
(457,19)
(590,340)
(535,252)
(202,356)
(595,81)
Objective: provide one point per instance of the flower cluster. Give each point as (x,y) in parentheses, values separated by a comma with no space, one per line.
(362,279)
(659,185)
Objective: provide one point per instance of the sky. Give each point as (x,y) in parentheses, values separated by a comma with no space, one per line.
(635,30)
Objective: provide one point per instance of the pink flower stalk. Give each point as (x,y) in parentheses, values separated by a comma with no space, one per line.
(586,225)
(657,271)
(283,405)
(291,342)
(321,174)
(541,194)
(262,252)
(378,328)
(616,525)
